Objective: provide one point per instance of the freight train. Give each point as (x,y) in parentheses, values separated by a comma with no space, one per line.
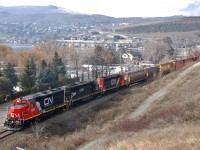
(36,106)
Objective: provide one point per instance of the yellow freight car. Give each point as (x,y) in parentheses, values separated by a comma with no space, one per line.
(166,68)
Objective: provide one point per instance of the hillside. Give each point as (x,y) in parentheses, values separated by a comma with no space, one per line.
(35,10)
(57,15)
(104,124)
(181,25)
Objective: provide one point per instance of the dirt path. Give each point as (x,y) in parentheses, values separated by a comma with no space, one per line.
(145,105)
(156,96)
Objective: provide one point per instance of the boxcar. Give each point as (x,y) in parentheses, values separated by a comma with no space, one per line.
(183,62)
(136,76)
(179,64)
(188,61)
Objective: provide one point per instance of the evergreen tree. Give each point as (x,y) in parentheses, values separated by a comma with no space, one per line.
(50,76)
(5,86)
(58,67)
(45,74)
(41,73)
(10,73)
(29,76)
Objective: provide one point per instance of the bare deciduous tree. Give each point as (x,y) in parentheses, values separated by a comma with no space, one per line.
(159,50)
(86,58)
(98,59)
(109,58)
(38,130)
(73,59)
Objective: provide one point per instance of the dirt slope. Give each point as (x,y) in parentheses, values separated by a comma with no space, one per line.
(162,92)
(112,140)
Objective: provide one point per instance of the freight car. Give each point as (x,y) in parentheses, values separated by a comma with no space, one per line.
(152,72)
(166,68)
(135,76)
(179,63)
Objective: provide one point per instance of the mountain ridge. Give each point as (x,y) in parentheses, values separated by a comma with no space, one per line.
(36,10)
(58,15)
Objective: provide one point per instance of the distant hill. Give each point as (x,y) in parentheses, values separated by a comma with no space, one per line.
(58,15)
(35,10)
(181,25)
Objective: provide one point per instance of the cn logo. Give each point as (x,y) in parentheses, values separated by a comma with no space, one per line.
(48,101)
(73,94)
(113,82)
(14,115)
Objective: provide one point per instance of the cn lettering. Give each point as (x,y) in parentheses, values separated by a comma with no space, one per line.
(15,115)
(48,101)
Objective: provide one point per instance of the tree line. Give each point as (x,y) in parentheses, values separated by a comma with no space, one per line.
(45,65)
(33,76)
(36,71)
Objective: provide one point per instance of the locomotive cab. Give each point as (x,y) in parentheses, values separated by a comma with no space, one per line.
(18,106)
(20,111)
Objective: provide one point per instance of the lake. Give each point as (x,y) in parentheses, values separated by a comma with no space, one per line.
(20,47)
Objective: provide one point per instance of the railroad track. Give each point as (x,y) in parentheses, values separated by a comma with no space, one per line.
(5,133)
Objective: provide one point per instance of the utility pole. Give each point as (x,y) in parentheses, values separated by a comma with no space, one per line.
(120,51)
(76,66)
(88,69)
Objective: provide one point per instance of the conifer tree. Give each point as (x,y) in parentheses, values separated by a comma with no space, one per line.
(10,73)
(58,67)
(29,76)
(41,73)
(45,74)
(5,86)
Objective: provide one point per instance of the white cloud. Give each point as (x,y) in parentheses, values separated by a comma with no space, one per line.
(193,9)
(116,8)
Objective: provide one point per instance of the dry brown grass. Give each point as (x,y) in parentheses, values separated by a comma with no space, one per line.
(181,137)
(129,125)
(171,123)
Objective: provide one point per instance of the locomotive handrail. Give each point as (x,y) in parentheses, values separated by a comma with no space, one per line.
(8,109)
(23,116)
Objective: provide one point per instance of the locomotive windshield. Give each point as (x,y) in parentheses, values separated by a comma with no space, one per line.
(19,102)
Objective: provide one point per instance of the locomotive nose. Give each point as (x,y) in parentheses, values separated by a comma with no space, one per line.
(16,111)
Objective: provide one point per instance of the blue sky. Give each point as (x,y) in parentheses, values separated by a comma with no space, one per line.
(119,8)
